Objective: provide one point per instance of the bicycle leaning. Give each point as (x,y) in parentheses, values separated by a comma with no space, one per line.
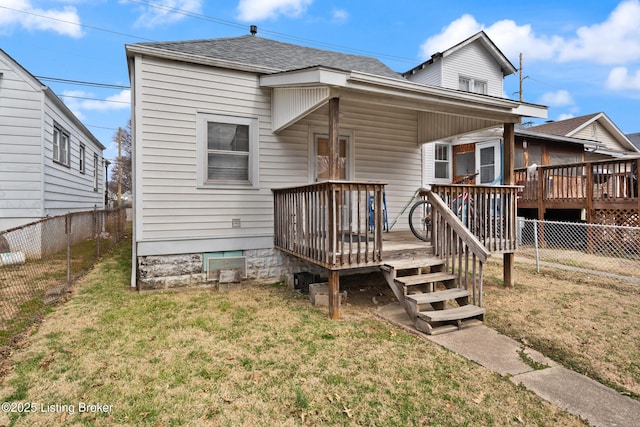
(420,218)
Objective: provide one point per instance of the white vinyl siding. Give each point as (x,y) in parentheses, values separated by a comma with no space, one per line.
(473,62)
(20,147)
(597,132)
(171,205)
(66,190)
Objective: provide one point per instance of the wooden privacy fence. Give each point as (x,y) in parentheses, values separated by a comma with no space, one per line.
(334,224)
(489,212)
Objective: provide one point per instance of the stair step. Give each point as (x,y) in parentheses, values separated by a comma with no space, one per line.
(458,313)
(438,296)
(420,279)
(405,264)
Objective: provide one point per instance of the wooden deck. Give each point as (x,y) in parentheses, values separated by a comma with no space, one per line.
(602,186)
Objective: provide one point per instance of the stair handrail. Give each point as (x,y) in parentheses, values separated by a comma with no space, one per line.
(441,208)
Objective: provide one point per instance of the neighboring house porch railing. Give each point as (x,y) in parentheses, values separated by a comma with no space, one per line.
(489,212)
(334,224)
(609,184)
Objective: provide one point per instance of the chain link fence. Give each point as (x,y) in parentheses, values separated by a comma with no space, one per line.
(608,252)
(38,262)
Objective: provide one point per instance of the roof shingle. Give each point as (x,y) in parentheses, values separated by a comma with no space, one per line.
(258,51)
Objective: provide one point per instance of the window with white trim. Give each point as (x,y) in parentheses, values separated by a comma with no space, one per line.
(61,146)
(468,84)
(82,159)
(227,150)
(442,161)
(95,172)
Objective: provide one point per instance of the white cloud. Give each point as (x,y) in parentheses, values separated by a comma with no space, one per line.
(256,10)
(161,12)
(80,101)
(620,79)
(339,16)
(508,36)
(559,98)
(565,116)
(614,41)
(21,13)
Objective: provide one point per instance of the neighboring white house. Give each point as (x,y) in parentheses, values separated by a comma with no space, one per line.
(217,124)
(50,164)
(475,65)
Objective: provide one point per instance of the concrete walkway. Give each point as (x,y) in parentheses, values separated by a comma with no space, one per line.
(573,392)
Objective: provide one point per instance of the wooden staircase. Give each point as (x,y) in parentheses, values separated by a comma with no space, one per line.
(431,296)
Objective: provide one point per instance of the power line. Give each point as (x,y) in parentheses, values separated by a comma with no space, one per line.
(95,99)
(219,21)
(83,83)
(77,24)
(275,33)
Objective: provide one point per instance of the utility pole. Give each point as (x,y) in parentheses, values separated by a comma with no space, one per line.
(521,78)
(119,167)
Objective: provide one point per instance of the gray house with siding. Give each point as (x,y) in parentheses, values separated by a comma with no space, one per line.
(50,163)
(219,124)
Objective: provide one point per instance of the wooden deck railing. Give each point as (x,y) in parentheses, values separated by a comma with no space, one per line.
(334,224)
(608,184)
(489,212)
(464,255)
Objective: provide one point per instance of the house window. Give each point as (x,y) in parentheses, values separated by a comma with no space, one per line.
(95,172)
(227,149)
(468,84)
(441,161)
(322,158)
(82,159)
(60,146)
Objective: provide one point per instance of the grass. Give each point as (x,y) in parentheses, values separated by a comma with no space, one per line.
(586,324)
(247,357)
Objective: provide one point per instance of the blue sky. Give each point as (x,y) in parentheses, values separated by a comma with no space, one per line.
(577,59)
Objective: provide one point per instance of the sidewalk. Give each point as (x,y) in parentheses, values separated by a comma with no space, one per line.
(573,392)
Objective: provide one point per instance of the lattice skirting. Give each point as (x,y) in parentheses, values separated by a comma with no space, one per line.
(620,217)
(618,239)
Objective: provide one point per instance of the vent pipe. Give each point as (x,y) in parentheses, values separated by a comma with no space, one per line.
(253,30)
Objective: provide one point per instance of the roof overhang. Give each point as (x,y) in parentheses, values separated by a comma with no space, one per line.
(442,112)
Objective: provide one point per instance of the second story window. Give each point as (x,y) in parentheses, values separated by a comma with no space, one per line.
(61,146)
(468,84)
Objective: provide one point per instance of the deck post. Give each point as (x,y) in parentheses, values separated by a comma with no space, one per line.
(334,294)
(509,178)
(334,139)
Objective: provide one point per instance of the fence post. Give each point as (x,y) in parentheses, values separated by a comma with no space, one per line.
(535,243)
(67,229)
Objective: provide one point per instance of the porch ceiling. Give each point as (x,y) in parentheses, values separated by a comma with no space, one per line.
(442,113)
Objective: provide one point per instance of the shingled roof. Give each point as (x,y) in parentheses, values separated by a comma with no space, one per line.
(563,127)
(279,56)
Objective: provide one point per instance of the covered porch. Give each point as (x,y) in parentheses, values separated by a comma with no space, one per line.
(338,223)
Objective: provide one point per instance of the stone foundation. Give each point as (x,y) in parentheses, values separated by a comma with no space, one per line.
(186,270)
